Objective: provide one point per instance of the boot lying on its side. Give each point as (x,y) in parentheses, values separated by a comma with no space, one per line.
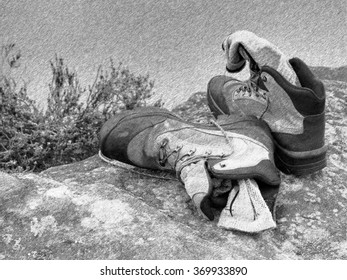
(155,138)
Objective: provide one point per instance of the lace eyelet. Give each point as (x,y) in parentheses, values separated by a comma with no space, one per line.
(164,142)
(264,78)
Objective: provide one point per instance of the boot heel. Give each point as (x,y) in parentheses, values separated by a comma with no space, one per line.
(300,163)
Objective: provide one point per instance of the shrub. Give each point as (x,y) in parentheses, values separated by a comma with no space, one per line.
(67,131)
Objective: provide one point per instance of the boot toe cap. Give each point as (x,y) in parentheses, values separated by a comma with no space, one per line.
(124,136)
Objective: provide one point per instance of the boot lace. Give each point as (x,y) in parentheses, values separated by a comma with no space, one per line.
(251,87)
(165,153)
(225,135)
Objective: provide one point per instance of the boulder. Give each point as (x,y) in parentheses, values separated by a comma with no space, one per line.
(95,210)
(9,186)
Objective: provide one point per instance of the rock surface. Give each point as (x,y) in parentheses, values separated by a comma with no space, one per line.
(94,210)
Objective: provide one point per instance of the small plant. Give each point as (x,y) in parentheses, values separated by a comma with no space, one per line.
(19,115)
(67,130)
(128,91)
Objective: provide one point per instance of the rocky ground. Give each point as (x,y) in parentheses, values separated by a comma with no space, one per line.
(94,210)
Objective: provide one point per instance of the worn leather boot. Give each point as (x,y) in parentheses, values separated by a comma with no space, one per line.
(155,138)
(295,114)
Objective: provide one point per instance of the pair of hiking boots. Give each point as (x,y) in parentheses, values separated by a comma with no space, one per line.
(264,124)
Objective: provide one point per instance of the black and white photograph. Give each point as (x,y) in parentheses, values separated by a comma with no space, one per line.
(210,132)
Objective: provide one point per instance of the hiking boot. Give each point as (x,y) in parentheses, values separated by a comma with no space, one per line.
(155,138)
(295,114)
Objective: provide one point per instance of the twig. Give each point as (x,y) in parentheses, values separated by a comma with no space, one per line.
(92,88)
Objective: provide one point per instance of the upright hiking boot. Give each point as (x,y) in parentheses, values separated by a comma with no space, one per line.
(295,114)
(155,138)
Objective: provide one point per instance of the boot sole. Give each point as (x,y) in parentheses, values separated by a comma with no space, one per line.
(300,163)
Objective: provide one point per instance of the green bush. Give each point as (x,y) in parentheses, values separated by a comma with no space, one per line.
(67,131)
